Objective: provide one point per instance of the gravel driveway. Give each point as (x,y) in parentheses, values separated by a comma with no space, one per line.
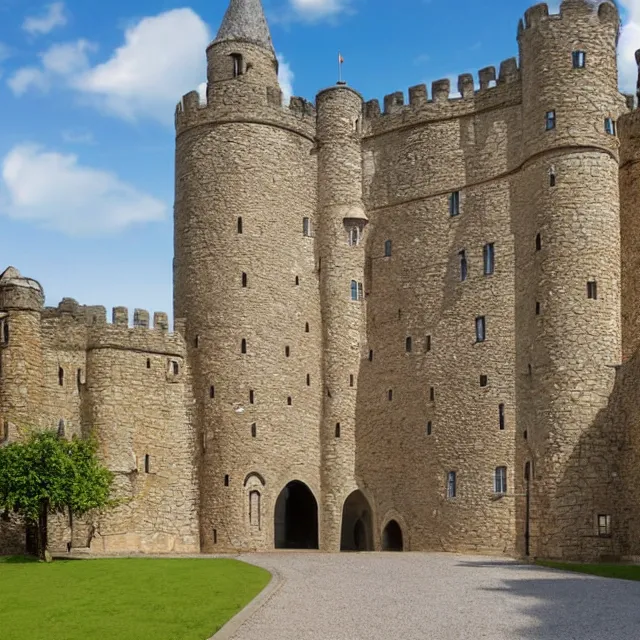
(415,596)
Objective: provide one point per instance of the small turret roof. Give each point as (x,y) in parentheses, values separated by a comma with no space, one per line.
(245,21)
(12,277)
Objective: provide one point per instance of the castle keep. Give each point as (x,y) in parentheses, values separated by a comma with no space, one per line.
(411,326)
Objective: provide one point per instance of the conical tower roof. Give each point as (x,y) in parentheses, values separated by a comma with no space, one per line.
(245,22)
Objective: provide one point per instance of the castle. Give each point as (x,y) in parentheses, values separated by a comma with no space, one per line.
(414,327)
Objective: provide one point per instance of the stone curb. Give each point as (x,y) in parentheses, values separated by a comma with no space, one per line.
(229,630)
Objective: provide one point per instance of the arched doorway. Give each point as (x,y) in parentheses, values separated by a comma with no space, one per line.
(392,537)
(357,529)
(296,518)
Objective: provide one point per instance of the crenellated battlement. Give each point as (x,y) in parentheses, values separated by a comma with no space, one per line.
(495,89)
(539,14)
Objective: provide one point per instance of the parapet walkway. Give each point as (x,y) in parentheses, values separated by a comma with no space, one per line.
(415,596)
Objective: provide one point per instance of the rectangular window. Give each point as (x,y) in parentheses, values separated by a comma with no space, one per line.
(462,255)
(4,331)
(550,120)
(360,291)
(429,428)
(408,345)
(387,248)
(579,59)
(451,484)
(427,344)
(501,417)
(306,227)
(592,290)
(604,526)
(251,396)
(237,64)
(480,329)
(610,126)
(500,481)
(454,203)
(432,394)
(351,380)
(484,381)
(147,464)
(354,236)
(488,254)
(354,291)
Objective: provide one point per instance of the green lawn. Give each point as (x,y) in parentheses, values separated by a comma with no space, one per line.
(622,571)
(123,599)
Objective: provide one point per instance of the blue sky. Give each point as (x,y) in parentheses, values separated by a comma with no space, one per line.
(88,89)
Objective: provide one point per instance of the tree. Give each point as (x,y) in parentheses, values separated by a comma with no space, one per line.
(46,473)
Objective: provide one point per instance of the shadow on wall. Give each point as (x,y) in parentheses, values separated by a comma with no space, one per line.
(562,605)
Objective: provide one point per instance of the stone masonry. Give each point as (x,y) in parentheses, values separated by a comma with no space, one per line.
(413,326)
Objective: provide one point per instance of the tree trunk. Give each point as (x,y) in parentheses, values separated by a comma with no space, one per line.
(42,530)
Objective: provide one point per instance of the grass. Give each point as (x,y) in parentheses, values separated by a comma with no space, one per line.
(621,571)
(123,599)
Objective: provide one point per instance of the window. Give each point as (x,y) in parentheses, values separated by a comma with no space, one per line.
(538,242)
(212,391)
(462,255)
(390,394)
(254,509)
(147,463)
(237,64)
(500,480)
(480,329)
(239,225)
(306,327)
(297,281)
(254,430)
(550,120)
(148,363)
(527,471)
(610,126)
(525,435)
(537,308)
(176,368)
(579,59)
(243,346)
(488,255)
(408,345)
(354,236)
(196,341)
(79,379)
(306,227)
(451,484)
(337,429)
(484,381)
(351,380)
(429,428)
(432,394)
(226,481)
(360,291)
(427,344)
(354,291)
(592,290)
(60,376)
(308,380)
(287,351)
(4,333)
(215,536)
(501,416)
(387,248)
(552,178)
(289,401)
(454,203)
(604,526)
(251,396)
(244,280)
(4,432)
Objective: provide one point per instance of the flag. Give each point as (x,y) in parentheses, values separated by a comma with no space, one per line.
(340,58)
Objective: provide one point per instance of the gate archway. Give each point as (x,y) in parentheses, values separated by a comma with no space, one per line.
(296,518)
(392,537)
(357,524)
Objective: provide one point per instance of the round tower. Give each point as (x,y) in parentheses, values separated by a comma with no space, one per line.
(341,248)
(246,286)
(566,201)
(21,362)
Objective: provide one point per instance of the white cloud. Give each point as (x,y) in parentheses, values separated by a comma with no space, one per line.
(312,10)
(54,191)
(28,78)
(68,58)
(73,136)
(161,59)
(53,17)
(629,42)
(285,78)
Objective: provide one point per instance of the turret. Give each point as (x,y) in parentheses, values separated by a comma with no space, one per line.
(246,290)
(566,206)
(21,362)
(341,247)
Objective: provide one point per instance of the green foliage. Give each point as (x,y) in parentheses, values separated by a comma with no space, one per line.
(45,469)
(621,571)
(124,599)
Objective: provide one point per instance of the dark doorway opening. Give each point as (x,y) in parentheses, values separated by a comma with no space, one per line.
(296,518)
(357,529)
(392,537)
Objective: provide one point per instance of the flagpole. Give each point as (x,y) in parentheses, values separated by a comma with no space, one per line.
(339,68)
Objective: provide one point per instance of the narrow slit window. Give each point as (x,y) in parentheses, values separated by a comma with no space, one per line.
(251,396)
(297,281)
(552,178)
(432,394)
(351,380)
(243,346)
(354,290)
(408,345)
(390,395)
(148,363)
(538,308)
(387,248)
(308,379)
(464,267)
(500,480)
(579,59)
(176,368)
(289,401)
(538,242)
(4,335)
(226,481)
(501,420)
(212,392)
(147,463)
(610,126)
(287,351)
(354,236)
(306,227)
(337,429)
(215,536)
(592,290)
(237,64)
(429,428)
(454,203)
(488,254)
(240,225)
(484,381)
(79,379)
(371,355)
(61,376)
(550,120)
(427,344)
(481,329)
(254,430)
(306,327)
(451,484)
(244,280)
(196,341)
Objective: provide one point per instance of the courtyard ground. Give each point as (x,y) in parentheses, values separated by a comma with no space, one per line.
(414,596)
(123,599)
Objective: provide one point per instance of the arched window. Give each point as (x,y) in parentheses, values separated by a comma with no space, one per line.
(387,248)
(354,290)
(500,480)
(254,509)
(237,64)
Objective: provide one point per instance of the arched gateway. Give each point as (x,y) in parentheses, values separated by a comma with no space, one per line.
(296,518)
(392,537)
(357,528)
